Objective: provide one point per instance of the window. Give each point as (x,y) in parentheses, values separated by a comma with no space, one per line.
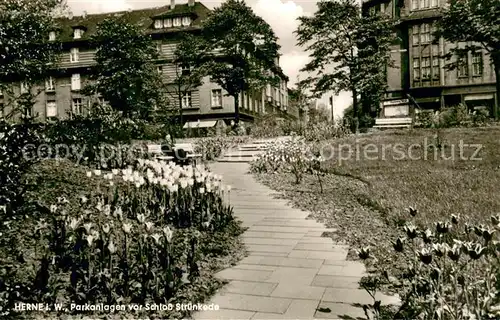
(167,23)
(158,24)
(159,69)
(424,4)
(186,21)
(1,110)
(24,87)
(426,68)
(425,33)
(74,55)
(77,106)
(185,70)
(416,69)
(49,84)
(435,68)
(100,101)
(477,64)
(51,109)
(52,36)
(415,35)
(75,82)
(28,112)
(77,33)
(434,29)
(186,100)
(217,98)
(177,22)
(463,66)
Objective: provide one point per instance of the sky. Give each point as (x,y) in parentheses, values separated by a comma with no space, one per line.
(280,14)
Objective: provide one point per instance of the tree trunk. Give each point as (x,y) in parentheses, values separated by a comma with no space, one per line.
(236,109)
(496,65)
(355,110)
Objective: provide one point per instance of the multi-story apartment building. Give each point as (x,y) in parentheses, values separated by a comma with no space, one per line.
(61,97)
(419,77)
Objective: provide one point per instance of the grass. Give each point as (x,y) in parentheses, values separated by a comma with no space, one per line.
(366,197)
(50,180)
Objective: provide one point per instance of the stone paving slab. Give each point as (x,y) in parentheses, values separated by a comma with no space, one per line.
(325,255)
(225,314)
(250,288)
(298,309)
(251,303)
(268,248)
(258,267)
(294,291)
(292,271)
(242,274)
(266,234)
(271,241)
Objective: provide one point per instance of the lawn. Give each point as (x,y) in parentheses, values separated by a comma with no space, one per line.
(369,188)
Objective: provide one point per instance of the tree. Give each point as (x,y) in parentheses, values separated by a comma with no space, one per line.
(188,61)
(125,74)
(299,97)
(27,55)
(476,22)
(244,49)
(356,47)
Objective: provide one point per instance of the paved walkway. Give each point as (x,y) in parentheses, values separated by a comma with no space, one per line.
(291,271)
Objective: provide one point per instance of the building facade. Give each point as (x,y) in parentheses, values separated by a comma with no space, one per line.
(61,98)
(419,80)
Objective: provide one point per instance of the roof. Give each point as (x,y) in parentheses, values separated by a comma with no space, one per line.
(143,18)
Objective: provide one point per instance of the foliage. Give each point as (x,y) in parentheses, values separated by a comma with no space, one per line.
(358,45)
(244,49)
(286,156)
(26,54)
(18,148)
(452,272)
(474,22)
(213,147)
(138,235)
(102,139)
(188,61)
(271,126)
(365,120)
(454,116)
(299,97)
(125,75)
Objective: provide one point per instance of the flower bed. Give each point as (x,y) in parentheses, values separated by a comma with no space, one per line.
(288,156)
(212,148)
(150,234)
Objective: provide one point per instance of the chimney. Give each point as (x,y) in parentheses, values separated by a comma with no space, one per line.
(191,3)
(172,4)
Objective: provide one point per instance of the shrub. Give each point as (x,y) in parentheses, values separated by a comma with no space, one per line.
(425,119)
(136,238)
(452,270)
(18,148)
(268,126)
(456,116)
(365,121)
